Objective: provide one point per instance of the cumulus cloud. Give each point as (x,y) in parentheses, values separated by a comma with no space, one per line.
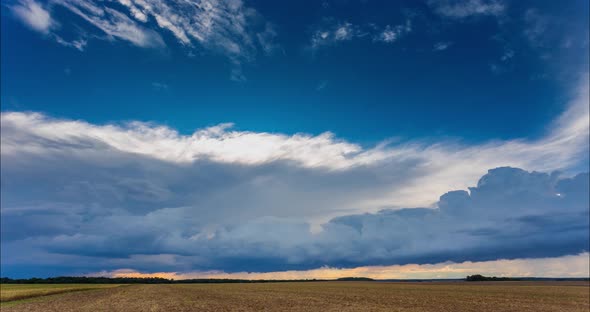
(34,15)
(467,8)
(541,215)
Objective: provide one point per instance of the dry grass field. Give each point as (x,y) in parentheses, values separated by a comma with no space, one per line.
(12,292)
(322,296)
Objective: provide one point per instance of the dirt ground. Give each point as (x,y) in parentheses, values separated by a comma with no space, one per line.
(322,296)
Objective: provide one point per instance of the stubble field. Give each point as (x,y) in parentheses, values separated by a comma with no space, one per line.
(320,296)
(14,292)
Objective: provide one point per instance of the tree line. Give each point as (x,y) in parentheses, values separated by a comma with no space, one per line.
(481,278)
(159,280)
(133,280)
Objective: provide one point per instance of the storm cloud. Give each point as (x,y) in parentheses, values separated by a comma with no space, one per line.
(79,198)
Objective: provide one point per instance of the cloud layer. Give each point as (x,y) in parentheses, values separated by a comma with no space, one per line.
(510,214)
(414,172)
(143,196)
(567,266)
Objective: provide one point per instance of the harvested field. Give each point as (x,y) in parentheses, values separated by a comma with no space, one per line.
(323,296)
(11,292)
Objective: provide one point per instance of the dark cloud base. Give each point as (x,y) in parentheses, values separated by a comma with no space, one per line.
(151,219)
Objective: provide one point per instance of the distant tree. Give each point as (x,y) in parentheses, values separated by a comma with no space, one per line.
(355,279)
(479,278)
(475,278)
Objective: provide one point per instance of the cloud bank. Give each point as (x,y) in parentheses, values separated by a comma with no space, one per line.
(142,196)
(567,266)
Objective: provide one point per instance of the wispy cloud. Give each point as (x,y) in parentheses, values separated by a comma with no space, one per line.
(536,27)
(34,15)
(159,86)
(113,23)
(443,45)
(226,27)
(507,55)
(78,44)
(467,8)
(322,85)
(331,33)
(268,39)
(391,34)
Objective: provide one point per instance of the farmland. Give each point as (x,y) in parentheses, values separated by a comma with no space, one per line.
(13,292)
(317,296)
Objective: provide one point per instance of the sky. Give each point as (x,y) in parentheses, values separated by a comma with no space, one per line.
(299,139)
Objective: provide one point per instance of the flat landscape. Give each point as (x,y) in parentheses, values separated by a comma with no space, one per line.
(317,296)
(14,292)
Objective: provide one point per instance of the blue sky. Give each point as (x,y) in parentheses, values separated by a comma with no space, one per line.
(404,88)
(175,136)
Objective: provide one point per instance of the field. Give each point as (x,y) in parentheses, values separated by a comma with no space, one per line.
(12,292)
(319,296)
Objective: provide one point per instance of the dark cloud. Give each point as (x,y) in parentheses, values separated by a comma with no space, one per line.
(511,213)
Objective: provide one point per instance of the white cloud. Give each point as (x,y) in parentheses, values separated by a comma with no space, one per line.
(344,32)
(34,15)
(441,46)
(219,25)
(442,165)
(467,8)
(137,13)
(391,34)
(216,143)
(226,27)
(113,23)
(79,44)
(331,33)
